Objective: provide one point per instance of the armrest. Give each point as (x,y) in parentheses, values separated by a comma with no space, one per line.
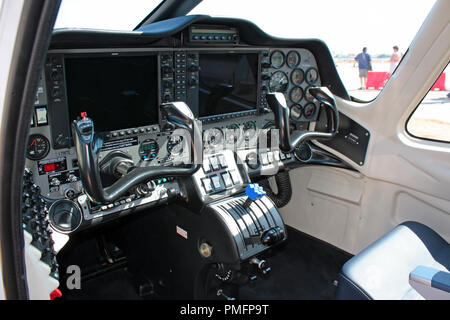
(431,283)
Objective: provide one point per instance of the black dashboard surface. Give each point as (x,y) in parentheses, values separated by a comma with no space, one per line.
(170,33)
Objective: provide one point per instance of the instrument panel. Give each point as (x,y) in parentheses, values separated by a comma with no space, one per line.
(122,89)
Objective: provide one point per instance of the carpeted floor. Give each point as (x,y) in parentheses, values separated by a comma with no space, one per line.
(303,268)
(114,285)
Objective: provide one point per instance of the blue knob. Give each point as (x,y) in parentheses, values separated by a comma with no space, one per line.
(254,192)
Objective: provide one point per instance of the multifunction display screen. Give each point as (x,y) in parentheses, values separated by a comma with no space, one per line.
(116,92)
(228,83)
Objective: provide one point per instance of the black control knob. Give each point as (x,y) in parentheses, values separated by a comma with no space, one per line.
(168,84)
(193,68)
(252,160)
(167,69)
(193,81)
(272,236)
(167,98)
(56,93)
(56,76)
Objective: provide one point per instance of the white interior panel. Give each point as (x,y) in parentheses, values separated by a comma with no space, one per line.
(328,212)
(325,211)
(424,209)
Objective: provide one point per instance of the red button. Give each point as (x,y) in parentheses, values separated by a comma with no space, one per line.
(55,294)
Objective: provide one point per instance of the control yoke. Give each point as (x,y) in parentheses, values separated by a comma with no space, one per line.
(88,146)
(289,141)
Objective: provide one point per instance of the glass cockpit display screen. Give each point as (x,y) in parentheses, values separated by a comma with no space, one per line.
(228,83)
(116,92)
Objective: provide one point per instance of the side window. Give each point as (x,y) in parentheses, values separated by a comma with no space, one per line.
(431,119)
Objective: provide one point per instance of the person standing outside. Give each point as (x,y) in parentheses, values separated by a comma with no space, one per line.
(395,59)
(364,65)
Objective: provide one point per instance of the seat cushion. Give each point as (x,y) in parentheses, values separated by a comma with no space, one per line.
(381,271)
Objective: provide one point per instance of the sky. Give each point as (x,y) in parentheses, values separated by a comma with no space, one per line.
(345,25)
(104,14)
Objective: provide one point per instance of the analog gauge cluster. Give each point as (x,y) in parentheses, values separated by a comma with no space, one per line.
(293,72)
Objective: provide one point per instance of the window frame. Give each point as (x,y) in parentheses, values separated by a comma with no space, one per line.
(418,105)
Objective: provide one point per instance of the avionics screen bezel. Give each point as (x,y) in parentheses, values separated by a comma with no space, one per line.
(118,55)
(219,52)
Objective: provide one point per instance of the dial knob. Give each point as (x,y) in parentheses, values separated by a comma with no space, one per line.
(193,81)
(272,236)
(168,84)
(167,69)
(56,76)
(55,182)
(252,160)
(193,68)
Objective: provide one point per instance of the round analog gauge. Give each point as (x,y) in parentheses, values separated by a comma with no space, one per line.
(249,129)
(278,82)
(175,145)
(311,76)
(296,112)
(309,96)
(296,94)
(309,111)
(233,133)
(148,150)
(213,136)
(293,59)
(38,147)
(277,59)
(297,77)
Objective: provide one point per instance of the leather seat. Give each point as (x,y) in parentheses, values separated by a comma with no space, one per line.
(381,271)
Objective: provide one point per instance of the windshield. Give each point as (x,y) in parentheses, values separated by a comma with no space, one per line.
(104,14)
(385,28)
(346,27)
